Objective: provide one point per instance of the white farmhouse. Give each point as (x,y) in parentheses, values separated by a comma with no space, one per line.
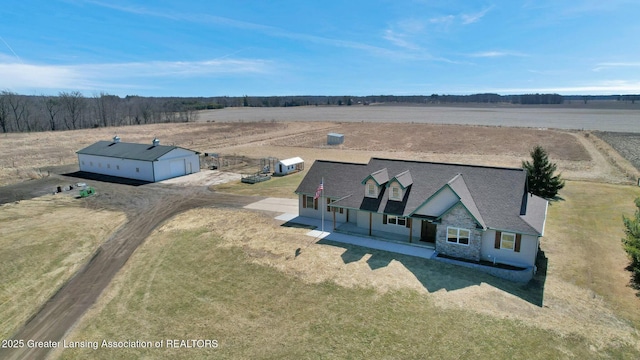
(152,162)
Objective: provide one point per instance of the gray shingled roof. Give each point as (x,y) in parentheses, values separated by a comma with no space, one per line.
(124,150)
(380,176)
(491,194)
(458,185)
(404,178)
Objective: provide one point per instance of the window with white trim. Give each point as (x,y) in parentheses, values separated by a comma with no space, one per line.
(458,235)
(507,241)
(396,220)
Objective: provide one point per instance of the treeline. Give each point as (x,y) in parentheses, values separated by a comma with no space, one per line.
(258,101)
(72,110)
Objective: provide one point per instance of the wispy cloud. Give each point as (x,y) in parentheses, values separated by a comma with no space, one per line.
(460,19)
(493,54)
(608,65)
(399,39)
(119,75)
(273,31)
(474,17)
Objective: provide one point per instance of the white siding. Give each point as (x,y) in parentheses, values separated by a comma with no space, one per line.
(175,163)
(126,168)
(445,199)
(311,212)
(526,256)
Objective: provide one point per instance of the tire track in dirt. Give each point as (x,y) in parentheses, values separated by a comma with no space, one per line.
(153,206)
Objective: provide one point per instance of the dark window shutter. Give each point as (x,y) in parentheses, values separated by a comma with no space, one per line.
(516,247)
(315,204)
(384,218)
(408,223)
(498,237)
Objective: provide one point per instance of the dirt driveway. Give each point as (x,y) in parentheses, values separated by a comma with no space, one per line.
(147,207)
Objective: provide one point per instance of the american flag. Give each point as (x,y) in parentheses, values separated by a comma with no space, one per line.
(319,190)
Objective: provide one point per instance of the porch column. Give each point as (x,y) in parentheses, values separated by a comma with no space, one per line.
(369,224)
(410,229)
(334,218)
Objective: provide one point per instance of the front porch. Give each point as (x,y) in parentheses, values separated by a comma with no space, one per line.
(353,229)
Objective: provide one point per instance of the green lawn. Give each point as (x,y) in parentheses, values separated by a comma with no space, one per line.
(185,284)
(582,239)
(282,187)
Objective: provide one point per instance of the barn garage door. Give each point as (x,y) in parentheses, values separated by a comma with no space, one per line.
(176,168)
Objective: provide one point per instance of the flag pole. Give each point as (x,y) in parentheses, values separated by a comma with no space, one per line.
(322,208)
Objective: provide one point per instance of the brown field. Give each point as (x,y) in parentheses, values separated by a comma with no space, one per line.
(627,144)
(29,156)
(588,310)
(567,116)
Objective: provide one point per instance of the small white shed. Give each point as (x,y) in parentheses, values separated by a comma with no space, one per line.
(288,166)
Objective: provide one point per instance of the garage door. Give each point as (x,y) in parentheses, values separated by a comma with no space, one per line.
(176,168)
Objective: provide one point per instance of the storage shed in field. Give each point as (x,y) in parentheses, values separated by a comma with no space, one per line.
(148,162)
(335,139)
(287,166)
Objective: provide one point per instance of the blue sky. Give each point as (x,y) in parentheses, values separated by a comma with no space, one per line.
(262,48)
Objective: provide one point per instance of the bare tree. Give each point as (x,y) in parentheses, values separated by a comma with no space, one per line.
(4,112)
(73,104)
(106,107)
(52,105)
(17,106)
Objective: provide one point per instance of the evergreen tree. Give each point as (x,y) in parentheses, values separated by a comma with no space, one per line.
(631,242)
(540,177)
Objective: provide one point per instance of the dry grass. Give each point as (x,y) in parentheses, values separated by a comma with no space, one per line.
(209,273)
(448,139)
(25,154)
(583,242)
(44,241)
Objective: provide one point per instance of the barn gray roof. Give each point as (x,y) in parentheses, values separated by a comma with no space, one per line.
(495,196)
(122,150)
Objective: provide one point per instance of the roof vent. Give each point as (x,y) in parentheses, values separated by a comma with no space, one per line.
(156,142)
(116,139)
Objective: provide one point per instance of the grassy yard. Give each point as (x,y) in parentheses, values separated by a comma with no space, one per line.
(282,187)
(583,242)
(43,242)
(208,275)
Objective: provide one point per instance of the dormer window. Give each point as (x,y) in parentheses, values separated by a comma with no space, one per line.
(398,185)
(371,189)
(396,192)
(373,182)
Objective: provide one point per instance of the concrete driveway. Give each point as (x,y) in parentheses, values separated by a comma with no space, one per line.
(281,205)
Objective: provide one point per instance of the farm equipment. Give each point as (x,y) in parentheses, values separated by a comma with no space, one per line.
(86,192)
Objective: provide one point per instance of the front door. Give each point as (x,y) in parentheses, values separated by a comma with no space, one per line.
(428,232)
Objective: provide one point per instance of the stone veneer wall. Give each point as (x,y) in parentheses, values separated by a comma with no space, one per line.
(459,217)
